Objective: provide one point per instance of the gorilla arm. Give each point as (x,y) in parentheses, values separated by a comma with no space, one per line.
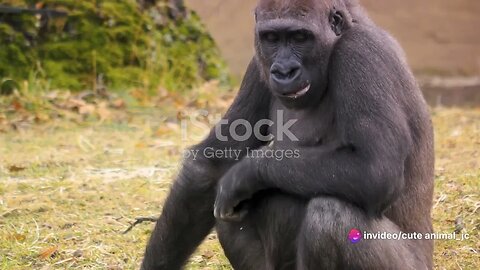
(187,213)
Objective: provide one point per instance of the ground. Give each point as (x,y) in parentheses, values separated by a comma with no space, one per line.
(68,191)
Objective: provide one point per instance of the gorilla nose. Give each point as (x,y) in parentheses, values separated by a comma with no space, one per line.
(285,73)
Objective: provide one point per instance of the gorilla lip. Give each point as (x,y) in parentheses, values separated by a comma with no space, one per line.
(299,93)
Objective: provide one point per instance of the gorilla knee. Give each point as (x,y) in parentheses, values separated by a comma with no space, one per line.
(330,218)
(324,227)
(330,210)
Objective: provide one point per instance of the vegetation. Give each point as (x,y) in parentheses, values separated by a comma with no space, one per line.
(123,44)
(78,166)
(69,190)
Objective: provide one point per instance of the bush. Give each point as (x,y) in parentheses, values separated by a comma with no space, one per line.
(123,44)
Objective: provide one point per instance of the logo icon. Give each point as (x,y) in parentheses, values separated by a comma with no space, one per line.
(355,236)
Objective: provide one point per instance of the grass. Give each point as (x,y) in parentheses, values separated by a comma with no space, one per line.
(68,191)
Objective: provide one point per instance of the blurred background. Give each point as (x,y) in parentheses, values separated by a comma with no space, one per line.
(440,37)
(98,99)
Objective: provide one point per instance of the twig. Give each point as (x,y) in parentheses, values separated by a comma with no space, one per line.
(140,220)
(8,212)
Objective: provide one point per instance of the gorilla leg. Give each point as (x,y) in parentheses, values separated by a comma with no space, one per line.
(266,238)
(241,244)
(324,244)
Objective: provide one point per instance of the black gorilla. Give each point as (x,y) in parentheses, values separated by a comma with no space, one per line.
(364,141)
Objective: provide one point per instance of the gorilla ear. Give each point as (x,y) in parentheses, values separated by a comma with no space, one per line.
(337,22)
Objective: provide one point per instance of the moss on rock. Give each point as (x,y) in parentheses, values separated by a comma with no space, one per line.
(122,42)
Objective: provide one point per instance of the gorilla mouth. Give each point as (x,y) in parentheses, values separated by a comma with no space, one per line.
(299,93)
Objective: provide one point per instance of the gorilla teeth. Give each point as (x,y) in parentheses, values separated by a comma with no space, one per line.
(300,93)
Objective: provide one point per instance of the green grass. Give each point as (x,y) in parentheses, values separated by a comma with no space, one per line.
(78,187)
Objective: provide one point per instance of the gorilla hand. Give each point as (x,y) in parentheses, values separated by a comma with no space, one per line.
(234,190)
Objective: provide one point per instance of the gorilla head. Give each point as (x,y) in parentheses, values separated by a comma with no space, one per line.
(294,40)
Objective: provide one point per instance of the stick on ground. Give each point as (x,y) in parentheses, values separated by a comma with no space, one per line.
(140,220)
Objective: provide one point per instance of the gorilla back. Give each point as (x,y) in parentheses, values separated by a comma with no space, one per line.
(364,141)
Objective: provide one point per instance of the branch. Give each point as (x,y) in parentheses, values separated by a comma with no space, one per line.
(140,220)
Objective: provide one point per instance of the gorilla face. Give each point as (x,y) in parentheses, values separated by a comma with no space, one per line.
(293,50)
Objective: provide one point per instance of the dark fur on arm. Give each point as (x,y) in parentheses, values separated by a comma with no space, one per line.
(187,215)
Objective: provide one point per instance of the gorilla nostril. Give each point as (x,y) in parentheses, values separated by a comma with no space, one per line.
(284,74)
(281,76)
(293,73)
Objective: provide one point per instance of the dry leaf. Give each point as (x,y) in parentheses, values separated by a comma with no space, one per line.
(118,104)
(86,109)
(161,131)
(17,106)
(48,252)
(141,145)
(16,168)
(167,128)
(41,117)
(17,237)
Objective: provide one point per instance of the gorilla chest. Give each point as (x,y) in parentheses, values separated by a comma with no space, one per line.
(301,128)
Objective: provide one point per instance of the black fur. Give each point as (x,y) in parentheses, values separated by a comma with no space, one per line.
(365,153)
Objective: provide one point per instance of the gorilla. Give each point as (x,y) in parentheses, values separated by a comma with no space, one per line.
(364,153)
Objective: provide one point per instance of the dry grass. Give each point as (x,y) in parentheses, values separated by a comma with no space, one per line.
(67,192)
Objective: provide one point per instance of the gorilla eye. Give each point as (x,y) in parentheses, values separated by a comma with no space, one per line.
(270,37)
(300,37)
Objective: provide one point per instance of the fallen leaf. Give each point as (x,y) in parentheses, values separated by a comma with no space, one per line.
(18,237)
(17,106)
(41,117)
(141,145)
(48,253)
(86,109)
(118,104)
(16,168)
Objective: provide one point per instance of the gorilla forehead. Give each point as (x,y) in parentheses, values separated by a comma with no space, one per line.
(269,9)
(286,24)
